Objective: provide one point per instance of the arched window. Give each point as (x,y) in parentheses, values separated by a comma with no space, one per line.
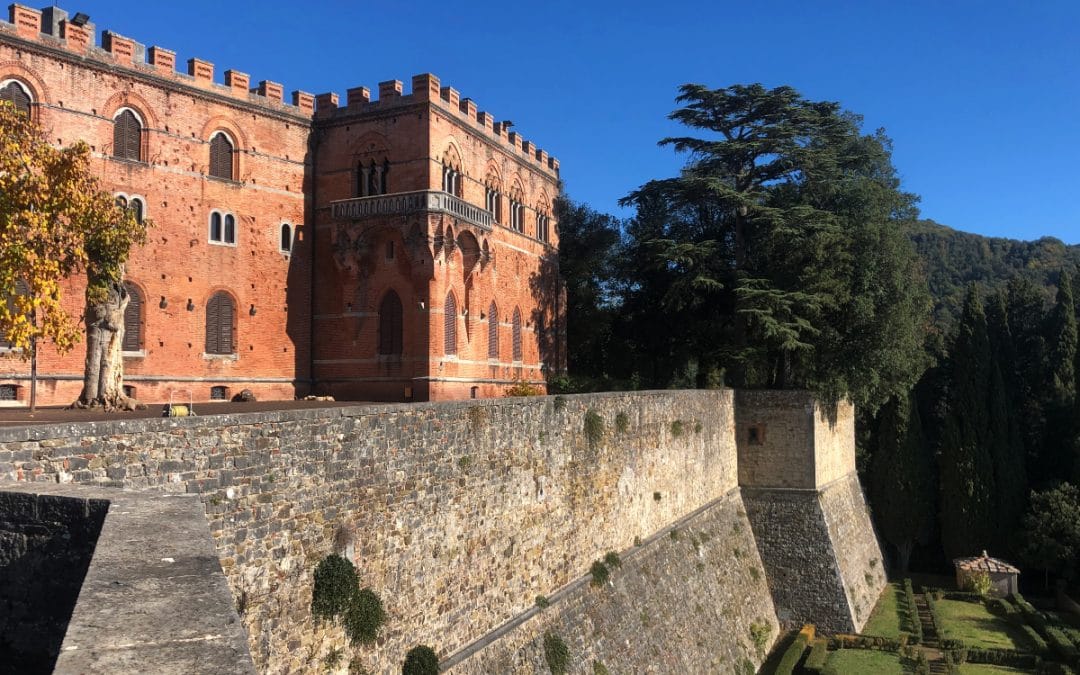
(14,92)
(219,324)
(493,331)
(221,156)
(137,209)
(230,229)
(133,319)
(517,334)
(127,136)
(390,332)
(222,228)
(450,324)
(286,237)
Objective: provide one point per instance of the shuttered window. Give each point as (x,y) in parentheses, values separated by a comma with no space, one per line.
(221,156)
(517,334)
(390,332)
(13,92)
(127,136)
(450,324)
(20,289)
(219,324)
(493,331)
(133,319)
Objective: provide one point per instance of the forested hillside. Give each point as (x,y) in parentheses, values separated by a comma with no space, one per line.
(954,259)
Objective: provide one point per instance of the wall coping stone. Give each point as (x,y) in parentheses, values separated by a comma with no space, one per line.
(154,598)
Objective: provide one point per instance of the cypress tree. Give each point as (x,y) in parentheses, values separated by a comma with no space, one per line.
(966,465)
(1060,383)
(901,479)
(1025,319)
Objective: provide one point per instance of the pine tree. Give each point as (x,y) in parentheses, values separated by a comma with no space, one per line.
(901,479)
(966,465)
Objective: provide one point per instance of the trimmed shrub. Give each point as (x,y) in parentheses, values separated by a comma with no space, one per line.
(420,660)
(819,654)
(556,653)
(335,584)
(874,642)
(913,613)
(1038,644)
(1004,657)
(364,617)
(1061,644)
(792,655)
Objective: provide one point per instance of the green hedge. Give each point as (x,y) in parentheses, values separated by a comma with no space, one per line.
(874,642)
(819,654)
(913,613)
(1003,657)
(1061,645)
(1037,641)
(792,655)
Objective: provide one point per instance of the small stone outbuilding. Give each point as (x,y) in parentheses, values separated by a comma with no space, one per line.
(1002,574)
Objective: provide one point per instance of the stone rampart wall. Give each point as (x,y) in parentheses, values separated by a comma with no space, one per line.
(459,515)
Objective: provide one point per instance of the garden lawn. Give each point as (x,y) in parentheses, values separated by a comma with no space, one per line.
(885,619)
(977,627)
(986,669)
(864,661)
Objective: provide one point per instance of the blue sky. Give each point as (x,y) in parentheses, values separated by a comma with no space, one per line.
(981,99)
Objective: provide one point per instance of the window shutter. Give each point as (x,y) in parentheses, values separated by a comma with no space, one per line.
(132,320)
(127,136)
(517,334)
(16,95)
(450,324)
(225,319)
(493,331)
(212,322)
(221,160)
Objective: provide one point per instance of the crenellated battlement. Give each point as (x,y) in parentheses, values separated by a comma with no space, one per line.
(58,28)
(426,88)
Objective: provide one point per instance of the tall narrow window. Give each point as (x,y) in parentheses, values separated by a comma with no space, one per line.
(517,215)
(450,325)
(451,180)
(493,331)
(286,237)
(390,329)
(219,324)
(137,209)
(133,319)
(229,235)
(517,334)
(221,156)
(15,93)
(384,182)
(127,136)
(541,227)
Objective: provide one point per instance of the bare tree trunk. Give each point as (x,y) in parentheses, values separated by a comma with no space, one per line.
(103,374)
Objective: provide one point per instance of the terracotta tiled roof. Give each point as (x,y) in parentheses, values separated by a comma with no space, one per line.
(984,563)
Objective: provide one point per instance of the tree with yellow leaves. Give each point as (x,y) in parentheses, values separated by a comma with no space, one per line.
(55,221)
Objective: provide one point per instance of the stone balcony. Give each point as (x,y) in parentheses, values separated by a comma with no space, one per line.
(405,203)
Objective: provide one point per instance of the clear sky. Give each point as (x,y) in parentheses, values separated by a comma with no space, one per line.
(981,99)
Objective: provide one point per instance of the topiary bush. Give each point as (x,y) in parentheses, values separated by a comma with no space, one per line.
(364,617)
(420,660)
(335,584)
(556,653)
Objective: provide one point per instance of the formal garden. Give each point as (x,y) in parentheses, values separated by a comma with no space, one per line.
(925,628)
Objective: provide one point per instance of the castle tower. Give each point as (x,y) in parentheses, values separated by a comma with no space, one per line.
(435,251)
(806,507)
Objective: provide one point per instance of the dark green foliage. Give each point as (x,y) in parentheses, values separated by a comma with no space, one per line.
(556,653)
(594,428)
(677,428)
(420,660)
(1003,657)
(335,582)
(912,612)
(1038,644)
(792,655)
(612,560)
(774,259)
(966,467)
(1060,385)
(874,642)
(364,617)
(622,422)
(600,573)
(542,602)
(1052,531)
(901,478)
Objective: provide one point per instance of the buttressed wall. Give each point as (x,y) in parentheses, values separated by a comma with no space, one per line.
(461,514)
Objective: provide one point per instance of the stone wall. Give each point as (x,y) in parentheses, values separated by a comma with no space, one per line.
(46,543)
(683,602)
(458,514)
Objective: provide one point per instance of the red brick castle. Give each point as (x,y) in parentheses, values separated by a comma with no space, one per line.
(395,249)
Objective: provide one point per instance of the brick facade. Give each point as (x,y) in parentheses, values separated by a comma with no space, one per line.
(356,190)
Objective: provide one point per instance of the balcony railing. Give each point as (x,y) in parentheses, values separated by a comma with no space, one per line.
(403,203)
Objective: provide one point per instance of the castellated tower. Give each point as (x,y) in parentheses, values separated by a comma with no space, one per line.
(435,245)
(806,507)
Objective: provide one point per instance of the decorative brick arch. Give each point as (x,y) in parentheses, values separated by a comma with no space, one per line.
(222,123)
(138,104)
(15,70)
